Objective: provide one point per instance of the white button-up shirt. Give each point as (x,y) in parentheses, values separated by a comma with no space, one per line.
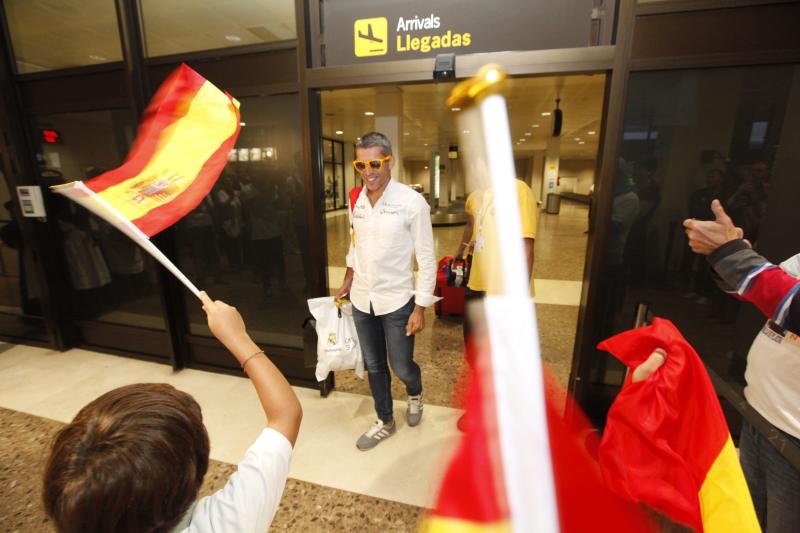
(385,239)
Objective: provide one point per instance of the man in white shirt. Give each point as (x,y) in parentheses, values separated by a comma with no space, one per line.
(390,226)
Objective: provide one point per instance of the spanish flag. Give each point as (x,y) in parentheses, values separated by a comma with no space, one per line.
(473,497)
(181,147)
(666,442)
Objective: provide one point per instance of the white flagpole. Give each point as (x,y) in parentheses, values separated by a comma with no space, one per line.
(91,200)
(511,320)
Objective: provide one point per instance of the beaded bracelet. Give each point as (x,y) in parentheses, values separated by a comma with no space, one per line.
(244,363)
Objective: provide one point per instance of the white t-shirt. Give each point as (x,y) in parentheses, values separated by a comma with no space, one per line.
(250,498)
(773,372)
(387,237)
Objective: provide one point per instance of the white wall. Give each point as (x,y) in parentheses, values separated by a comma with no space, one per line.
(577,171)
(415,172)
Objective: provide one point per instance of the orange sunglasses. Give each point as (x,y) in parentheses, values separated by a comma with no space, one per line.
(374,164)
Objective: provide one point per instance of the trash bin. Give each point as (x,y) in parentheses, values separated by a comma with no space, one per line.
(553,206)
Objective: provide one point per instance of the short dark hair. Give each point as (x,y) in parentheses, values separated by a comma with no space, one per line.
(374,138)
(132,460)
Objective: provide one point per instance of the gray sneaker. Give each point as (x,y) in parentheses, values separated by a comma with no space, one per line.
(414,410)
(378,432)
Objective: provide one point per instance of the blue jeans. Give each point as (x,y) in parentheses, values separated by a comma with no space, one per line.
(377,335)
(773,483)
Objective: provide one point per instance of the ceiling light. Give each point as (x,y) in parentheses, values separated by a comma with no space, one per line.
(455,109)
(582,142)
(369,113)
(426,167)
(528,134)
(95,57)
(522,140)
(406,133)
(534,125)
(577,138)
(424,144)
(243,124)
(591,132)
(233,38)
(546,114)
(339,132)
(465,131)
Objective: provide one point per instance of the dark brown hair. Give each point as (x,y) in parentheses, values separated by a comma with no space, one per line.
(132,460)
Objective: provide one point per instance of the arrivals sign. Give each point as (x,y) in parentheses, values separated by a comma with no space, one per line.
(356,31)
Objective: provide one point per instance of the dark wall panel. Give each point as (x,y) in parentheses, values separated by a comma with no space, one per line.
(719,31)
(248,75)
(99,90)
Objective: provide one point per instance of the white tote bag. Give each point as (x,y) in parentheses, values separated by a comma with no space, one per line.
(337,342)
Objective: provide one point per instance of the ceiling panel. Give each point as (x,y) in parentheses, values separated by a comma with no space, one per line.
(428,123)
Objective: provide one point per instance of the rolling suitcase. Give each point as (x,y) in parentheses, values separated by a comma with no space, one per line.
(452,302)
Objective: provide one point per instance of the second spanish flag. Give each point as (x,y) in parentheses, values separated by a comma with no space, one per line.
(666,442)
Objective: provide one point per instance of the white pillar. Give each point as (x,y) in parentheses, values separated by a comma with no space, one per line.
(389,121)
(537,176)
(446,176)
(551,161)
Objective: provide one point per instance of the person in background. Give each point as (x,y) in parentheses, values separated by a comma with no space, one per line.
(134,458)
(480,237)
(648,192)
(748,204)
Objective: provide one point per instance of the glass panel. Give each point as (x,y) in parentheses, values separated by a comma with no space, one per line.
(53,34)
(178,26)
(247,243)
(327,173)
(339,153)
(327,150)
(19,288)
(690,137)
(338,185)
(113,280)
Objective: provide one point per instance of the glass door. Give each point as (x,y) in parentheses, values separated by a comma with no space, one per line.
(112,282)
(691,136)
(333,174)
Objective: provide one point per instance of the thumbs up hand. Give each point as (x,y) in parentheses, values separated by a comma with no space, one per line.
(705,236)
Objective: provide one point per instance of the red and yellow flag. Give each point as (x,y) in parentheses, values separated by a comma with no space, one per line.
(181,147)
(472,497)
(666,442)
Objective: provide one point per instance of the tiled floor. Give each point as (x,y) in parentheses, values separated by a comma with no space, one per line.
(24,441)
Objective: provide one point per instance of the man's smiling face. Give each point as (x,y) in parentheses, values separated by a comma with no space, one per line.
(375,180)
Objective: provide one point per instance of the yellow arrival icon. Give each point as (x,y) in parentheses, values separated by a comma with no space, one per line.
(371,37)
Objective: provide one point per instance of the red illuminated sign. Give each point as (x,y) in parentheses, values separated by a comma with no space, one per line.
(51,136)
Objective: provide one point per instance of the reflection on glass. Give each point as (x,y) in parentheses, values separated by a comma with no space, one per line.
(339,190)
(327,177)
(179,26)
(334,187)
(61,33)
(683,146)
(247,243)
(112,279)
